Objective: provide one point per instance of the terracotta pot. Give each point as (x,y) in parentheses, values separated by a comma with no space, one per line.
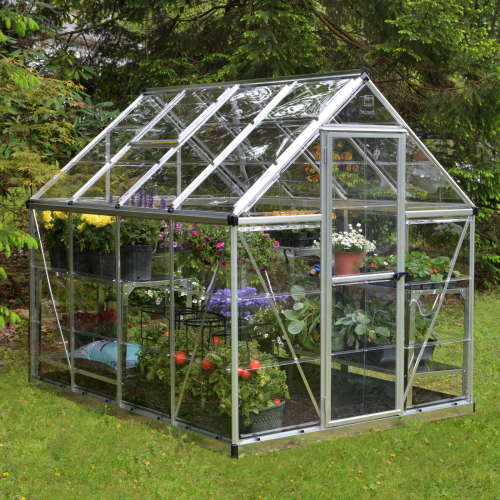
(348,262)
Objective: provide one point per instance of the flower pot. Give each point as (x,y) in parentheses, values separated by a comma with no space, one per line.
(135,262)
(81,262)
(58,257)
(387,356)
(348,262)
(267,419)
(103,264)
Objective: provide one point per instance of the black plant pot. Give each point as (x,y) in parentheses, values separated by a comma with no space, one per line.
(81,262)
(58,257)
(387,356)
(135,262)
(103,264)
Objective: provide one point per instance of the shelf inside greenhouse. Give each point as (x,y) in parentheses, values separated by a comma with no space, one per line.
(257,264)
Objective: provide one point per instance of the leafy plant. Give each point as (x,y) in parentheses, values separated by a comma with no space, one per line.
(303,319)
(55,229)
(94,232)
(139,231)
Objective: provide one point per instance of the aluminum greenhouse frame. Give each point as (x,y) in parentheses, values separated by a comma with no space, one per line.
(375,350)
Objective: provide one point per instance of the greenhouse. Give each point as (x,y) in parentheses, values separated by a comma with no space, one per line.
(256,264)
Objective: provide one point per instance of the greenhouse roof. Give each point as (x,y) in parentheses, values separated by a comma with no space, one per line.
(247,148)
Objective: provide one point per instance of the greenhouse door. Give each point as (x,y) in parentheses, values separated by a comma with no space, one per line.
(362,315)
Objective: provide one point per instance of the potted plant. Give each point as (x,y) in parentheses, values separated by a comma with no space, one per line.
(350,248)
(262,387)
(94,244)
(56,238)
(139,238)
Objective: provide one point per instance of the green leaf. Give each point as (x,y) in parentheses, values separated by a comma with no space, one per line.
(296,326)
(291,315)
(360,329)
(382,330)
(337,343)
(297,292)
(298,306)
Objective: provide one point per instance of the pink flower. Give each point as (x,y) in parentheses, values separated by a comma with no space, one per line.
(276,244)
(220,244)
(239,259)
(218,252)
(199,248)
(206,239)
(175,244)
(163,223)
(267,236)
(162,245)
(223,264)
(160,237)
(195,233)
(191,225)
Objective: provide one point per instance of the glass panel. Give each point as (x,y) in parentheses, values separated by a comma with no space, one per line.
(69,182)
(365,108)
(425,182)
(441,374)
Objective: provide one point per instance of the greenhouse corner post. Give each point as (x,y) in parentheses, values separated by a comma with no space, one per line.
(31,347)
(119,312)
(71,300)
(234,342)
(400,267)
(472,254)
(172,333)
(326,281)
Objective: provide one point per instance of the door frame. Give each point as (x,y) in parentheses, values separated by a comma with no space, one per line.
(326,165)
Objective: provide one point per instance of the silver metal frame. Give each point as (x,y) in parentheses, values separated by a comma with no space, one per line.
(89,146)
(184,137)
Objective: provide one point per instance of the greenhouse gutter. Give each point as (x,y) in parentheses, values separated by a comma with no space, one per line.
(257,444)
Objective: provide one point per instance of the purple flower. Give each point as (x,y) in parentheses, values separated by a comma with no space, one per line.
(183,246)
(218,252)
(163,204)
(185,231)
(206,239)
(267,236)
(199,248)
(110,198)
(162,245)
(160,237)
(223,264)
(163,223)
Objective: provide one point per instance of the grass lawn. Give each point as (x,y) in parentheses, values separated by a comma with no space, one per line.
(52,448)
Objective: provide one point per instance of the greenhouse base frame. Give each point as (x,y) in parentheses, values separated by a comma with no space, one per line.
(261,444)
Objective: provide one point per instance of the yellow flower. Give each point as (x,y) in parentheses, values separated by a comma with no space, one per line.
(47,216)
(81,227)
(61,215)
(49,226)
(393,454)
(98,220)
(57,474)
(5,474)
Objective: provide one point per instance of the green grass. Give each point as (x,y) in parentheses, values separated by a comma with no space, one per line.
(55,449)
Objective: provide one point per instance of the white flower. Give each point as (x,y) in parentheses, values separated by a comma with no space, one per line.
(150,293)
(158,302)
(358,225)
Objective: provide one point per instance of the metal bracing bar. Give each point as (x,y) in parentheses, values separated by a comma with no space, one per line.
(325,284)
(433,221)
(123,151)
(361,278)
(108,158)
(278,219)
(50,290)
(438,308)
(400,267)
(200,330)
(261,186)
(234,143)
(280,322)
(235,431)
(420,144)
(370,162)
(472,251)
(89,146)
(183,138)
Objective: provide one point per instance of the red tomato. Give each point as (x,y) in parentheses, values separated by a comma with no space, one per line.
(206,365)
(254,365)
(216,340)
(239,355)
(180,358)
(245,374)
(277,401)
(166,334)
(435,271)
(240,371)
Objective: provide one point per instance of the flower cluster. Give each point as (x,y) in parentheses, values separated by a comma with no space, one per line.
(97,323)
(221,303)
(50,217)
(94,220)
(56,228)
(351,241)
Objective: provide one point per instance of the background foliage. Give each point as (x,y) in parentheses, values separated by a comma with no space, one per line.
(436,61)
